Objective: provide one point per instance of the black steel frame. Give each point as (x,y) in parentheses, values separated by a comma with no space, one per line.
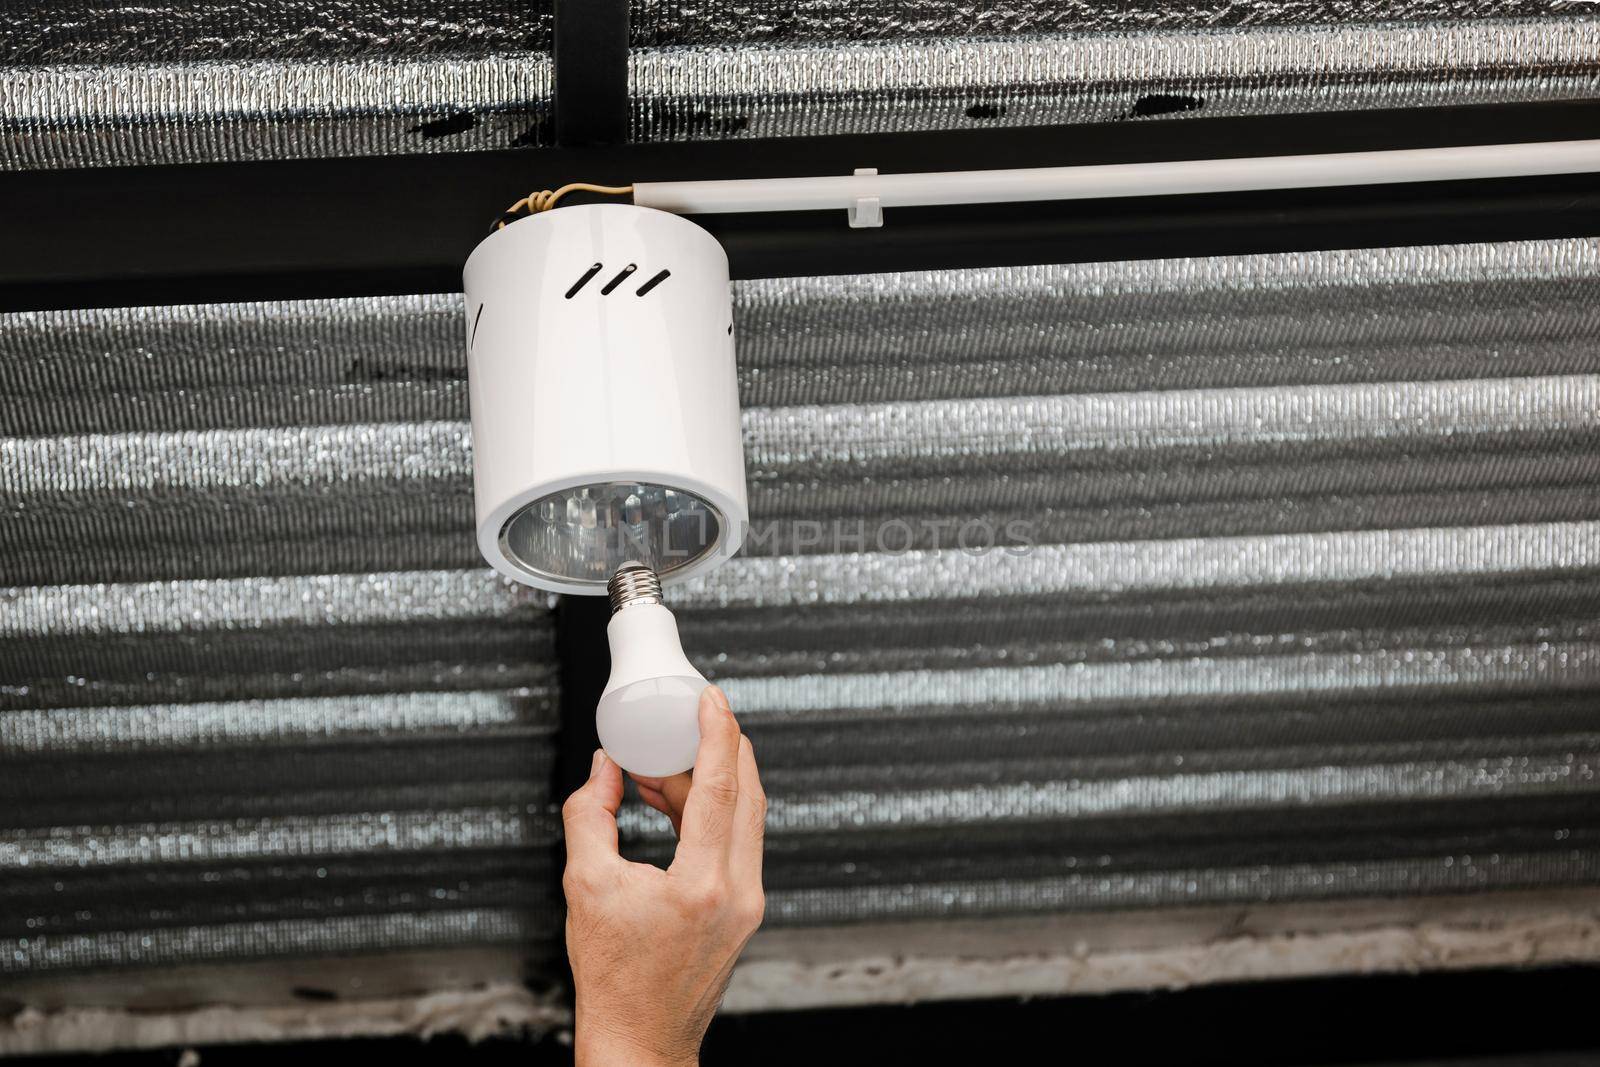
(393,224)
(591,75)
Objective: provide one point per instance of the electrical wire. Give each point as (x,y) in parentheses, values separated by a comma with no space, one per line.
(545,199)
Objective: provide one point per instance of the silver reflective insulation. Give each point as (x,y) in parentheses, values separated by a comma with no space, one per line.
(263,722)
(1074,587)
(1151,567)
(1110,891)
(239,737)
(115,31)
(234,941)
(1111,73)
(1302,603)
(1199,681)
(261,603)
(905,436)
(298,837)
(105,84)
(60,116)
(705,22)
(1217,792)
(93,83)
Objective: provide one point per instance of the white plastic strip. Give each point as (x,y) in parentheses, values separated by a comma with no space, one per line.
(1122,179)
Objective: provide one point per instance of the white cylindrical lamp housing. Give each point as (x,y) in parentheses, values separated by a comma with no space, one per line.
(605,403)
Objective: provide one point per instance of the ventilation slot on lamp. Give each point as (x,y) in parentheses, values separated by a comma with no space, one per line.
(619,279)
(653,282)
(583,281)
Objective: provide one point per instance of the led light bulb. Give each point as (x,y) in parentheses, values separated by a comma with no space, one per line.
(649,713)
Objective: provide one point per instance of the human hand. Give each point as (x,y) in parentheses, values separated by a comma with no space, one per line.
(652,950)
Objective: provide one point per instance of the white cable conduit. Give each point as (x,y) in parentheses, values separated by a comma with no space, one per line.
(866,192)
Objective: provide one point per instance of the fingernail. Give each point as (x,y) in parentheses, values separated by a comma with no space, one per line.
(598,762)
(719,696)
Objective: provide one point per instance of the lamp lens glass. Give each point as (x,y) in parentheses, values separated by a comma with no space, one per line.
(585,533)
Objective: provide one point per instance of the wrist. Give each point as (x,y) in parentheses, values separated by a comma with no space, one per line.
(597,1047)
(617,1053)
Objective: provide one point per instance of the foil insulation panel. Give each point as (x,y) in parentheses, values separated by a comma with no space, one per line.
(1206,581)
(106,83)
(236,769)
(233,732)
(723,22)
(114,31)
(92,83)
(1076,587)
(778,87)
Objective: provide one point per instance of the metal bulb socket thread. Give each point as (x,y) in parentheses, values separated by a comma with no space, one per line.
(634,583)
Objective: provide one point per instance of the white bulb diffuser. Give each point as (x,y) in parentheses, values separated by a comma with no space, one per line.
(649,713)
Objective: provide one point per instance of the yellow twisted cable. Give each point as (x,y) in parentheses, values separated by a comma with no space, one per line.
(546,199)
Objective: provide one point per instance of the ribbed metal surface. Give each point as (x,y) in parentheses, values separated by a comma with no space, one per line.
(58,116)
(114,31)
(1301,603)
(224,770)
(1069,587)
(93,83)
(98,84)
(706,22)
(257,697)
(1109,72)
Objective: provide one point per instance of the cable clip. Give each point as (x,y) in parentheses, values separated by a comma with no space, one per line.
(867,212)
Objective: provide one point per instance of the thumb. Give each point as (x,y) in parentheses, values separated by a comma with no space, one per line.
(590,814)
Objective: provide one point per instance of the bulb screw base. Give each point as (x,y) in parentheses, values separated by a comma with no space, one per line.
(634,583)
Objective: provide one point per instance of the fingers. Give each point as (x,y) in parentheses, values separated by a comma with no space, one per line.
(749,822)
(709,809)
(654,798)
(676,790)
(590,815)
(724,817)
(666,795)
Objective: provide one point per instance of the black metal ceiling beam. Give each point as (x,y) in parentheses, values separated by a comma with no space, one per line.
(393,224)
(591,72)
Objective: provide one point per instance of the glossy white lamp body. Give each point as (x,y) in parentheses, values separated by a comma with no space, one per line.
(648,717)
(602,386)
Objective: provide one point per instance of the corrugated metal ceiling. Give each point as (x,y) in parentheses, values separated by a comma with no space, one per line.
(1288,593)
